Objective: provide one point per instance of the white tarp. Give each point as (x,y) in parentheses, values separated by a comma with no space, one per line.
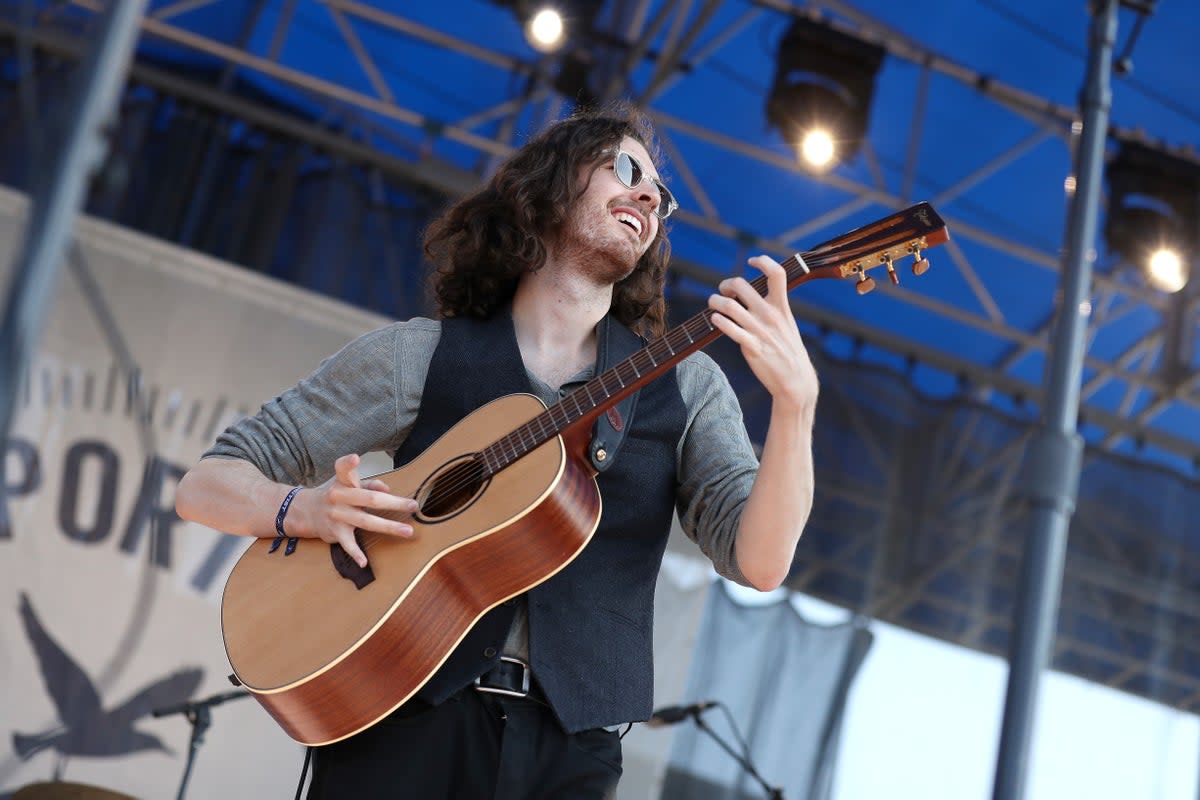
(93,633)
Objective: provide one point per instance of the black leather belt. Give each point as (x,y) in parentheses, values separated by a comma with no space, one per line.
(510,677)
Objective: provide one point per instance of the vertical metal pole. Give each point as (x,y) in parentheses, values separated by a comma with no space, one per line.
(79,147)
(1051,474)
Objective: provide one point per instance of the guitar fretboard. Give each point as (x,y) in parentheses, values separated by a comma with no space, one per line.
(903,233)
(614,384)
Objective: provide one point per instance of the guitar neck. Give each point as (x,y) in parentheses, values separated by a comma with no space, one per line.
(621,380)
(880,243)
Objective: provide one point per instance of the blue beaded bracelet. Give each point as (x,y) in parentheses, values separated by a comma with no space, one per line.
(283,509)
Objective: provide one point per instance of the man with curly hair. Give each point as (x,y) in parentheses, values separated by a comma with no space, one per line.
(551,270)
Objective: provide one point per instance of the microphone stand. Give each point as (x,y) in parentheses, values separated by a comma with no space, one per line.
(199,714)
(773,792)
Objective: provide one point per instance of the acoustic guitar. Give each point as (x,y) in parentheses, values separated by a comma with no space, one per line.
(329,648)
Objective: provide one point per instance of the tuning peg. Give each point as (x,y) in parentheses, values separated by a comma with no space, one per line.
(921,265)
(892,272)
(864,284)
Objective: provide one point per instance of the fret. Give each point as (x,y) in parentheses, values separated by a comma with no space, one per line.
(869,245)
(602,382)
(518,442)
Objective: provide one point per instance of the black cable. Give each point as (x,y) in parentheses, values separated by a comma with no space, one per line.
(736,732)
(303,772)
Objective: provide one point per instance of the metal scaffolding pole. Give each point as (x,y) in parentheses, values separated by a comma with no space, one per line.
(77,150)
(1051,475)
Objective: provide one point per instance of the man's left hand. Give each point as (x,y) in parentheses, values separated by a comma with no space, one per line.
(766,331)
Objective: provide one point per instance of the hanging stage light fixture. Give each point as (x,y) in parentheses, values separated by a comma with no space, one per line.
(545,29)
(545,23)
(1153,213)
(820,100)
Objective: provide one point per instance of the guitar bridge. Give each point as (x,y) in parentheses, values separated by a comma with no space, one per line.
(348,568)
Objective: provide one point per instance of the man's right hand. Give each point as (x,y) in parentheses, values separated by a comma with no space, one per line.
(332,511)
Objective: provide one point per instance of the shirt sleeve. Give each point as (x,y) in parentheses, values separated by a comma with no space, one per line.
(716,463)
(362,399)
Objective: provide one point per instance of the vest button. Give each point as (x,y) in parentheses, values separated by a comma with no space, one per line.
(489,652)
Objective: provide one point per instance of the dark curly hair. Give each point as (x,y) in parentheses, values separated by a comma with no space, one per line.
(482,245)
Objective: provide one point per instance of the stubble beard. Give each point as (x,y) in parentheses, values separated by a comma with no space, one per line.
(607,255)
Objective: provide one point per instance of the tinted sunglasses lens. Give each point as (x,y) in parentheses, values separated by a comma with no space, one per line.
(666,201)
(629,172)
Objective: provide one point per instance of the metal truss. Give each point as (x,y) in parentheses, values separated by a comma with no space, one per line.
(673,39)
(935,544)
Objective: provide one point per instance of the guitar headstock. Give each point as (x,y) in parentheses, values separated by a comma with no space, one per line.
(880,244)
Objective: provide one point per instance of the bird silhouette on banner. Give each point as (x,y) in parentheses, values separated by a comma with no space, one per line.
(87,729)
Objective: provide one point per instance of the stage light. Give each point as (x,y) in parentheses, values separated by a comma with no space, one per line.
(817,148)
(547,24)
(824,80)
(1153,212)
(545,30)
(1167,271)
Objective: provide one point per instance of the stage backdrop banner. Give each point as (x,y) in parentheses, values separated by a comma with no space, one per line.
(109,604)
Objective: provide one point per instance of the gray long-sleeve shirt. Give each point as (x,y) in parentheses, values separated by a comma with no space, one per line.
(365,398)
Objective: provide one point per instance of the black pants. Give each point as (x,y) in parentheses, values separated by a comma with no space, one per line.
(471,747)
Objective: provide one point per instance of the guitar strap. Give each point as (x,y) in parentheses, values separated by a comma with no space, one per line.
(614,343)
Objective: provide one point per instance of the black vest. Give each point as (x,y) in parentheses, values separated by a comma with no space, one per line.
(590,625)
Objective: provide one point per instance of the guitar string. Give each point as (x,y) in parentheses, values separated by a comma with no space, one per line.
(520,442)
(466,475)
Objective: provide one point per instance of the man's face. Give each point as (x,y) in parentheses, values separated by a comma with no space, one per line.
(611,226)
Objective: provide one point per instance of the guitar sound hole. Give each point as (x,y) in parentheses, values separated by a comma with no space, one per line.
(451,489)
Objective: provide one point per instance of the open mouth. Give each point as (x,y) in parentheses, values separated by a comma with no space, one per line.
(630,220)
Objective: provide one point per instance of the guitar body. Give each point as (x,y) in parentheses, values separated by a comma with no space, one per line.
(329,651)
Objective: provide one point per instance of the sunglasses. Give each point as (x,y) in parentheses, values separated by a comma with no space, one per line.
(631,174)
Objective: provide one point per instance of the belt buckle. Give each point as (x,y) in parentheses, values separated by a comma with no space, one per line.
(479,687)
